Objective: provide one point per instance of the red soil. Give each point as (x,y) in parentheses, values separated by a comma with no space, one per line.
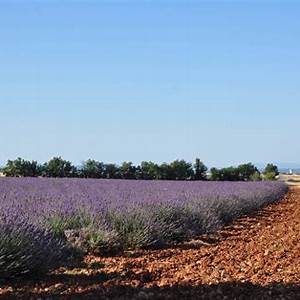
(256,257)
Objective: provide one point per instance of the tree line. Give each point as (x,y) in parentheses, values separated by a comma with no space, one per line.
(147,170)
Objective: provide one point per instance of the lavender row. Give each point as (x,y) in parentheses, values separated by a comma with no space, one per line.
(108,216)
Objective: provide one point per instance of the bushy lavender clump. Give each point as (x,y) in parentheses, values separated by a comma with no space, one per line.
(24,249)
(111,215)
(149,226)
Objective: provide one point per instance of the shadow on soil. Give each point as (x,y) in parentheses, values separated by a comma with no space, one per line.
(93,287)
(219,291)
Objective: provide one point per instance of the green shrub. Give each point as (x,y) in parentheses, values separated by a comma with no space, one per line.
(25,249)
(95,240)
(58,224)
(133,229)
(256,177)
(270,176)
(270,168)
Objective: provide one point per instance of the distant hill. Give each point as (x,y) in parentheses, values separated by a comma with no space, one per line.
(283,167)
(286,170)
(286,167)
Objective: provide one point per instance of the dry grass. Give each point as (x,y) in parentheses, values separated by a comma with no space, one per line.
(290,179)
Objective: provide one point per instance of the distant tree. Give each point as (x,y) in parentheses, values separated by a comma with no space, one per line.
(215,174)
(176,170)
(13,168)
(58,167)
(111,171)
(225,174)
(92,169)
(245,171)
(230,174)
(138,172)
(181,170)
(256,177)
(270,168)
(165,172)
(127,170)
(269,176)
(199,170)
(22,168)
(149,170)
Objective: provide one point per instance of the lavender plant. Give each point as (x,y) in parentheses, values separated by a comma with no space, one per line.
(26,249)
(106,216)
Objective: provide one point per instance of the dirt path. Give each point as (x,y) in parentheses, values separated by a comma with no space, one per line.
(292,180)
(256,257)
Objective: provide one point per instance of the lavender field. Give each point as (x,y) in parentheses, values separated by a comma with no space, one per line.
(45,222)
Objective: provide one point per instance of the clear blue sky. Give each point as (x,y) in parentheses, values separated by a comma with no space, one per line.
(150,80)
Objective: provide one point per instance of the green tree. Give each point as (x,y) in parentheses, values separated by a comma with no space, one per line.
(22,168)
(111,171)
(215,174)
(181,170)
(127,170)
(245,171)
(58,167)
(149,170)
(269,176)
(165,172)
(256,177)
(270,168)
(224,174)
(230,174)
(92,169)
(199,170)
